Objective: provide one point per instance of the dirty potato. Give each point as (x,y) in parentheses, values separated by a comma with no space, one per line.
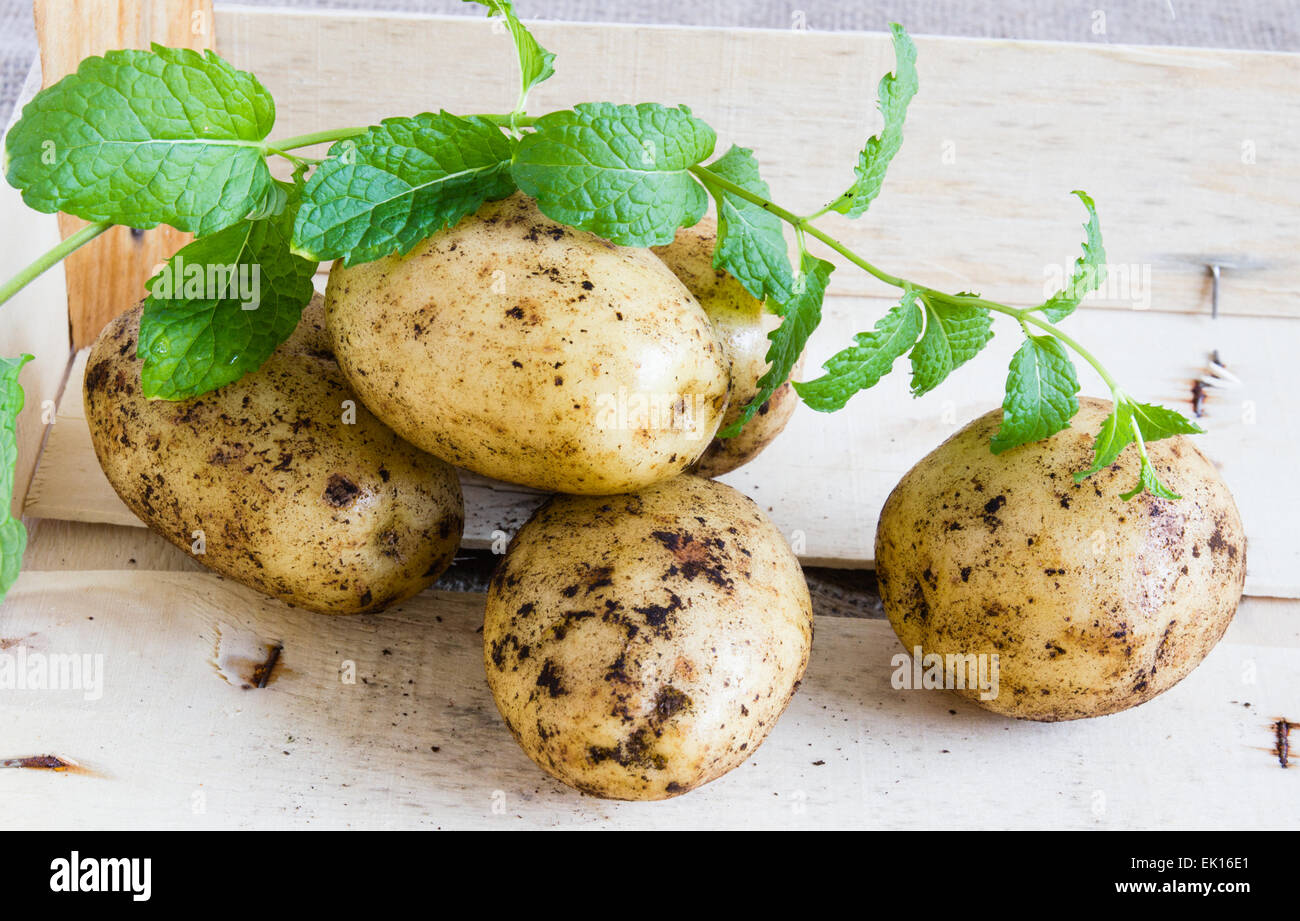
(270,478)
(1092,604)
(534,353)
(641,645)
(742,324)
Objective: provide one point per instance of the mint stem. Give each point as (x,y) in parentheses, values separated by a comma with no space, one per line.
(50,257)
(316,137)
(343,134)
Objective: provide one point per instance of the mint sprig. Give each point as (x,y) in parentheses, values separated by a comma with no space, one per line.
(620,171)
(1129,422)
(222,305)
(171,136)
(144,138)
(380,193)
(13,536)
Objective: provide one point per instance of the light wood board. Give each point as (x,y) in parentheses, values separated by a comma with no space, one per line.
(824,480)
(35,320)
(1189,152)
(416,741)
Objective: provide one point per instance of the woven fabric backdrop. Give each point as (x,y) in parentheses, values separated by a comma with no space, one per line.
(1267,25)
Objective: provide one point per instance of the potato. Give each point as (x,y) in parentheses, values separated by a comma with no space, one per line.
(290,499)
(533,353)
(641,645)
(1092,604)
(742,324)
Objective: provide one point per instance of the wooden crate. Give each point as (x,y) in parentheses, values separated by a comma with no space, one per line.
(1190,154)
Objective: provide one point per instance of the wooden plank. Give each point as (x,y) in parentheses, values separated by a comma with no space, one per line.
(71,546)
(1185,165)
(416,740)
(824,480)
(35,322)
(107,276)
(65,546)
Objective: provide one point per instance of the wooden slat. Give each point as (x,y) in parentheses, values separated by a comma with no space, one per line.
(417,742)
(824,480)
(34,321)
(107,276)
(1190,153)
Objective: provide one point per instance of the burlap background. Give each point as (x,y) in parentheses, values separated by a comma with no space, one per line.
(1272,25)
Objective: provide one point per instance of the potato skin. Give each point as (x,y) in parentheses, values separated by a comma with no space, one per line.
(742,324)
(1093,604)
(503,344)
(336,518)
(640,645)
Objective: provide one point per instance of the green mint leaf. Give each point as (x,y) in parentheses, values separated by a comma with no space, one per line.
(1089,269)
(1040,398)
(1156,422)
(380,193)
(620,171)
(221,306)
(13,536)
(954,333)
(535,62)
(895,92)
(801,315)
(1115,435)
(751,244)
(143,138)
(861,366)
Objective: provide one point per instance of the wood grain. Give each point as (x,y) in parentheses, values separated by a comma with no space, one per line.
(1189,153)
(416,740)
(825,479)
(107,276)
(35,320)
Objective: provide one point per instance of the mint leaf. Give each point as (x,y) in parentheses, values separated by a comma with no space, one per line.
(861,366)
(1116,433)
(380,193)
(198,331)
(801,315)
(1121,428)
(1089,269)
(535,62)
(13,536)
(895,92)
(751,244)
(1040,397)
(143,138)
(954,333)
(620,171)
(1156,422)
